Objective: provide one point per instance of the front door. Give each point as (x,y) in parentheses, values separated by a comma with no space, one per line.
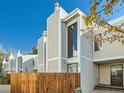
(117,75)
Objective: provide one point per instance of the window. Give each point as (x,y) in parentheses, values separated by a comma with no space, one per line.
(20,63)
(33,62)
(72,40)
(72,68)
(117,75)
(98,42)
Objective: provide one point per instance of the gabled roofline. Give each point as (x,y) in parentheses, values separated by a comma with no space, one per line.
(116,20)
(60,8)
(77,11)
(44,33)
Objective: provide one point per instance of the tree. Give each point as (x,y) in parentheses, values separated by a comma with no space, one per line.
(34,50)
(1,59)
(96,19)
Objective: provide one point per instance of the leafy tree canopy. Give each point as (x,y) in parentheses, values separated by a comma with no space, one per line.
(96,19)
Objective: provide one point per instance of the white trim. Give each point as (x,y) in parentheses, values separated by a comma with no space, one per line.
(60,41)
(17,65)
(46,68)
(71,62)
(72,22)
(116,20)
(78,35)
(79,45)
(87,58)
(72,59)
(40,65)
(109,58)
(66,41)
(73,13)
(51,59)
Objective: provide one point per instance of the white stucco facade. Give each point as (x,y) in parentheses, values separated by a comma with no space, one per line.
(89,63)
(20,63)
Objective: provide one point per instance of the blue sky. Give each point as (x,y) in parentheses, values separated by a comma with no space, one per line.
(22,21)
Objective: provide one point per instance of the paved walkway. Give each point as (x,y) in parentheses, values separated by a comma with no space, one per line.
(106,91)
(4,88)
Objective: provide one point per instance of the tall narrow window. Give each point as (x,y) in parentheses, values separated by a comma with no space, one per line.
(72,40)
(98,42)
(20,63)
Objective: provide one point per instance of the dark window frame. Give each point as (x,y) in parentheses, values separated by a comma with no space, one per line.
(71,40)
(76,64)
(96,46)
(111,73)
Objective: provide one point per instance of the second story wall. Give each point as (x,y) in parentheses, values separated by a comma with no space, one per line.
(40,50)
(109,51)
(53,27)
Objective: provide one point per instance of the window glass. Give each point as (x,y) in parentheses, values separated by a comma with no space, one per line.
(72,40)
(98,42)
(20,63)
(73,68)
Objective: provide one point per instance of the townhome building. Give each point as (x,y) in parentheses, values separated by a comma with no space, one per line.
(109,58)
(66,46)
(20,63)
(61,49)
(41,65)
(11,63)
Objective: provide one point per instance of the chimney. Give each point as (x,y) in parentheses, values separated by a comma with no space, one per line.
(56,6)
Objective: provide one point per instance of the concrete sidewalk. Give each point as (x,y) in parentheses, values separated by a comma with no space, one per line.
(4,88)
(106,91)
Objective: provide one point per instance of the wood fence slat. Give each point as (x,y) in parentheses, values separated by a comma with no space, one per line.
(44,82)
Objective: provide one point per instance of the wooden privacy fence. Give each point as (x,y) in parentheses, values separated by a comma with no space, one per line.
(4,79)
(44,82)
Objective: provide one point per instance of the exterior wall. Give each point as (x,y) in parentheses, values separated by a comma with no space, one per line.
(22,63)
(87,76)
(12,65)
(29,62)
(96,74)
(62,38)
(41,55)
(65,44)
(107,49)
(19,62)
(57,48)
(35,62)
(40,50)
(53,66)
(86,56)
(28,65)
(104,72)
(40,68)
(7,67)
(54,40)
